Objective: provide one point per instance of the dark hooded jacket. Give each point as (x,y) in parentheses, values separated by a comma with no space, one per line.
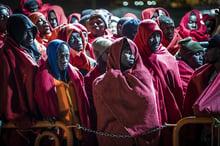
(23,23)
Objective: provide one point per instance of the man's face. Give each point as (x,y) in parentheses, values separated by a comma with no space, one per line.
(97,26)
(127,58)
(52,19)
(154,41)
(63,56)
(33,7)
(43,26)
(4,15)
(192,22)
(196,60)
(168,30)
(28,38)
(75,41)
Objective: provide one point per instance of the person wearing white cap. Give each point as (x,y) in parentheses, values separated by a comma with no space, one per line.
(100,47)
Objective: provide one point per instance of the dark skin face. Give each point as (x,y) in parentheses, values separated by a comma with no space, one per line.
(75,41)
(127,58)
(28,38)
(154,41)
(119,25)
(43,26)
(192,22)
(4,15)
(33,7)
(167,27)
(196,60)
(97,26)
(52,19)
(63,56)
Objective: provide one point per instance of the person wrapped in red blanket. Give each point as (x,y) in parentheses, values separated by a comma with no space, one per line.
(124,98)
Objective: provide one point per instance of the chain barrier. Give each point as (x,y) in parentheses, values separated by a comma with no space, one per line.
(118,135)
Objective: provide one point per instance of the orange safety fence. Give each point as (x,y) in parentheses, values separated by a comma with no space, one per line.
(189,120)
(43,124)
(69,135)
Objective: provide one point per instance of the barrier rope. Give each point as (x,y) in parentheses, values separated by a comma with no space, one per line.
(120,135)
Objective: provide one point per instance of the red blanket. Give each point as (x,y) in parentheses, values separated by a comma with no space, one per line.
(197,84)
(17,74)
(125,101)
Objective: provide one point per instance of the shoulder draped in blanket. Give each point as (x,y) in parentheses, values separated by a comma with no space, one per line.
(198,35)
(125,101)
(164,69)
(77,59)
(46,96)
(185,74)
(18,70)
(207,103)
(196,86)
(173,47)
(60,14)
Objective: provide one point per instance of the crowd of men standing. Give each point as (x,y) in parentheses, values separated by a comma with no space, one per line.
(125,76)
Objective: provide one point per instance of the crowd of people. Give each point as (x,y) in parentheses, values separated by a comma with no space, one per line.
(122,77)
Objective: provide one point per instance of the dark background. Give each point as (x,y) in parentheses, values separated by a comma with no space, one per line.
(116,8)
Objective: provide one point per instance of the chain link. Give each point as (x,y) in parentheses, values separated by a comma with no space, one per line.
(117,135)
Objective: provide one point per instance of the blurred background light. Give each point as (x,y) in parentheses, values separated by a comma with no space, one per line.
(125,3)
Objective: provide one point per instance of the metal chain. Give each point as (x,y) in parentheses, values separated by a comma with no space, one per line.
(118,135)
